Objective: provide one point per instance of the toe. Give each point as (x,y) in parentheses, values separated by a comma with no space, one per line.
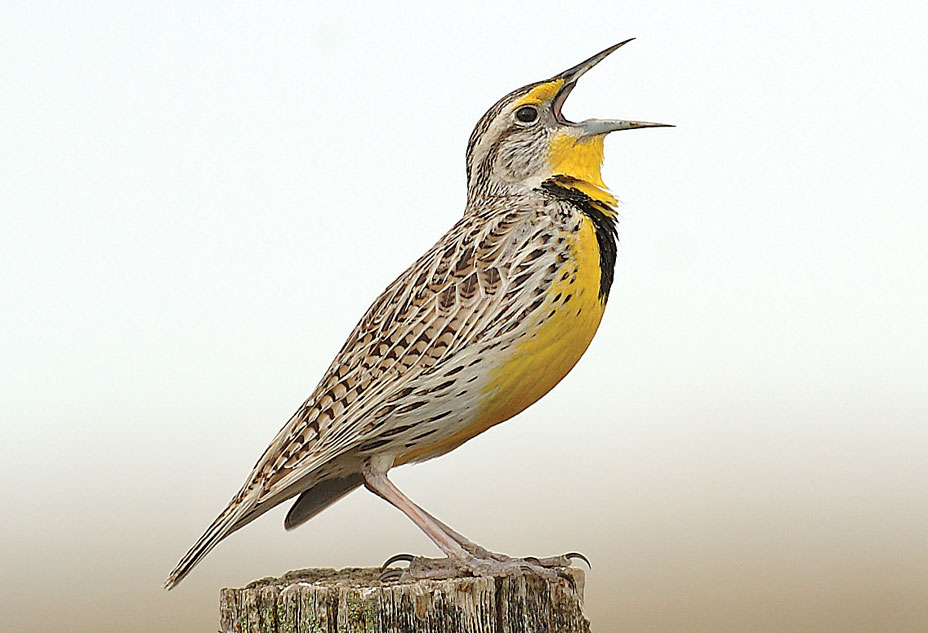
(391,574)
(396,558)
(578,555)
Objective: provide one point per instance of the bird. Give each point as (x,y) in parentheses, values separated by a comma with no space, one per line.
(477,329)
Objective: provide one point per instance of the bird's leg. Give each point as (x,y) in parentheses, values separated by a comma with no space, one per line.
(377,482)
(563,560)
(461,553)
(468,545)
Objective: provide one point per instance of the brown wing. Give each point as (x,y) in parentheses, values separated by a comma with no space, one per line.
(460,293)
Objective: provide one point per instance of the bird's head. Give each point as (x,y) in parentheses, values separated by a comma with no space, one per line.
(524,139)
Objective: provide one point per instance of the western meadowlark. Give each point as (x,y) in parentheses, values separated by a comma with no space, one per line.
(476,330)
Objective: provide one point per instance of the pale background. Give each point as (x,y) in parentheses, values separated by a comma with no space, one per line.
(199,200)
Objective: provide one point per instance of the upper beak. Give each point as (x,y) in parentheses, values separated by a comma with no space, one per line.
(592,127)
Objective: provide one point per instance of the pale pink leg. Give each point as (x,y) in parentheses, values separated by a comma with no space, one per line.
(380,485)
(460,552)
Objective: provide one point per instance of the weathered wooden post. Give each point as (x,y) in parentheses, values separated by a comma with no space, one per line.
(354,601)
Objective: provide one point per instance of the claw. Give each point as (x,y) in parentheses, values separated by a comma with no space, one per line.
(397,558)
(390,574)
(569,579)
(571,555)
(532,559)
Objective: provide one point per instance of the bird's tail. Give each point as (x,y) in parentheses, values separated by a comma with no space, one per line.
(227,522)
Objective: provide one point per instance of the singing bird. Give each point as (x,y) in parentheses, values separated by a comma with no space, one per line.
(477,329)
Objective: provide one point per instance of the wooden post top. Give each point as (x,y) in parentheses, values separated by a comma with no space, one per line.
(353,600)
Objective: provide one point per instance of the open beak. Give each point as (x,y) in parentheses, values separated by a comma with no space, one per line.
(592,127)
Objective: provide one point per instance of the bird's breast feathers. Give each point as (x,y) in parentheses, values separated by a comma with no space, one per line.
(539,349)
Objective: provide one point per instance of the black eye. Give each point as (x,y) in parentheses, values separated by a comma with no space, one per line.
(527,114)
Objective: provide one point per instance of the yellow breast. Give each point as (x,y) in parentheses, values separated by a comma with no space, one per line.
(550,347)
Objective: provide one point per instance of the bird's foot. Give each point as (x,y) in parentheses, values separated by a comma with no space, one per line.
(478,562)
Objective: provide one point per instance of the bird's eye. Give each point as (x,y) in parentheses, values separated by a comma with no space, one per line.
(527,114)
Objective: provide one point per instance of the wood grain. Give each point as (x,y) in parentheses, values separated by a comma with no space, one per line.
(353,601)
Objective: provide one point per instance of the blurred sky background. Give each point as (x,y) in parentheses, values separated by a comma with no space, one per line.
(199,200)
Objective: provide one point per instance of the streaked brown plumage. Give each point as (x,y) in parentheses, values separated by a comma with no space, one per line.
(478,328)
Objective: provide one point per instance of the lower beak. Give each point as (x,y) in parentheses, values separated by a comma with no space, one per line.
(593,127)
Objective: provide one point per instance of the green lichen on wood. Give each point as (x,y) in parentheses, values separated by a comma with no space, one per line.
(362,612)
(288,610)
